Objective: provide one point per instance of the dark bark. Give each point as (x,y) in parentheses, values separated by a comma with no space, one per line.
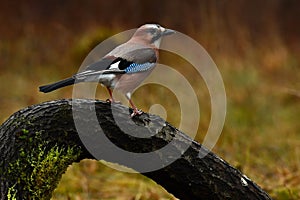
(39,142)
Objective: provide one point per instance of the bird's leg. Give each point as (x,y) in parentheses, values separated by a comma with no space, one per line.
(111,100)
(136,111)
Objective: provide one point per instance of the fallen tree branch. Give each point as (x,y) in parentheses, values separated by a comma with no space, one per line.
(38,143)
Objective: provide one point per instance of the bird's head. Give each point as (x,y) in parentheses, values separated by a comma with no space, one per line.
(151,34)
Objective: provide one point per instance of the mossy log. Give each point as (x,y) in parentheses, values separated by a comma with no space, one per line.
(38,143)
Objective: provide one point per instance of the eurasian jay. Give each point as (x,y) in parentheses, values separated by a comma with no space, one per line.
(123,68)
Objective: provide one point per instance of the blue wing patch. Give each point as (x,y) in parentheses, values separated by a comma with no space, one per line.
(134,67)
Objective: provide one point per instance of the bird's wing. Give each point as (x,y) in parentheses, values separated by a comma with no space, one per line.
(97,68)
(138,60)
(101,65)
(141,55)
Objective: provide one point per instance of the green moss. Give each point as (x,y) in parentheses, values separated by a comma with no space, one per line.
(39,166)
(12,192)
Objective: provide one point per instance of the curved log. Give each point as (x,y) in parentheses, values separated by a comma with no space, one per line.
(38,143)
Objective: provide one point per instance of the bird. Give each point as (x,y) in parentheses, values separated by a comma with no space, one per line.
(125,67)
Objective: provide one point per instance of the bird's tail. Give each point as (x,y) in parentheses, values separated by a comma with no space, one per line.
(59,84)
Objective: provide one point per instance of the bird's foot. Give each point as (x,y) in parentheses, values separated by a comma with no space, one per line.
(112,101)
(136,112)
(108,100)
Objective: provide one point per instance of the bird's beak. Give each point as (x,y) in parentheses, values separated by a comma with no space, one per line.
(168,32)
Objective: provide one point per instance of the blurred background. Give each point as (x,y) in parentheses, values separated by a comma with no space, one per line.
(255,44)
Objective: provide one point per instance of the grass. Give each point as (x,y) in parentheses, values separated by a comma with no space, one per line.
(92,180)
(261,134)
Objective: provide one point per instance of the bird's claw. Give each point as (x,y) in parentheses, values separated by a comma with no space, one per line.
(136,112)
(112,101)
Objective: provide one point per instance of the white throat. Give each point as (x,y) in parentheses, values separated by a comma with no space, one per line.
(157,43)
